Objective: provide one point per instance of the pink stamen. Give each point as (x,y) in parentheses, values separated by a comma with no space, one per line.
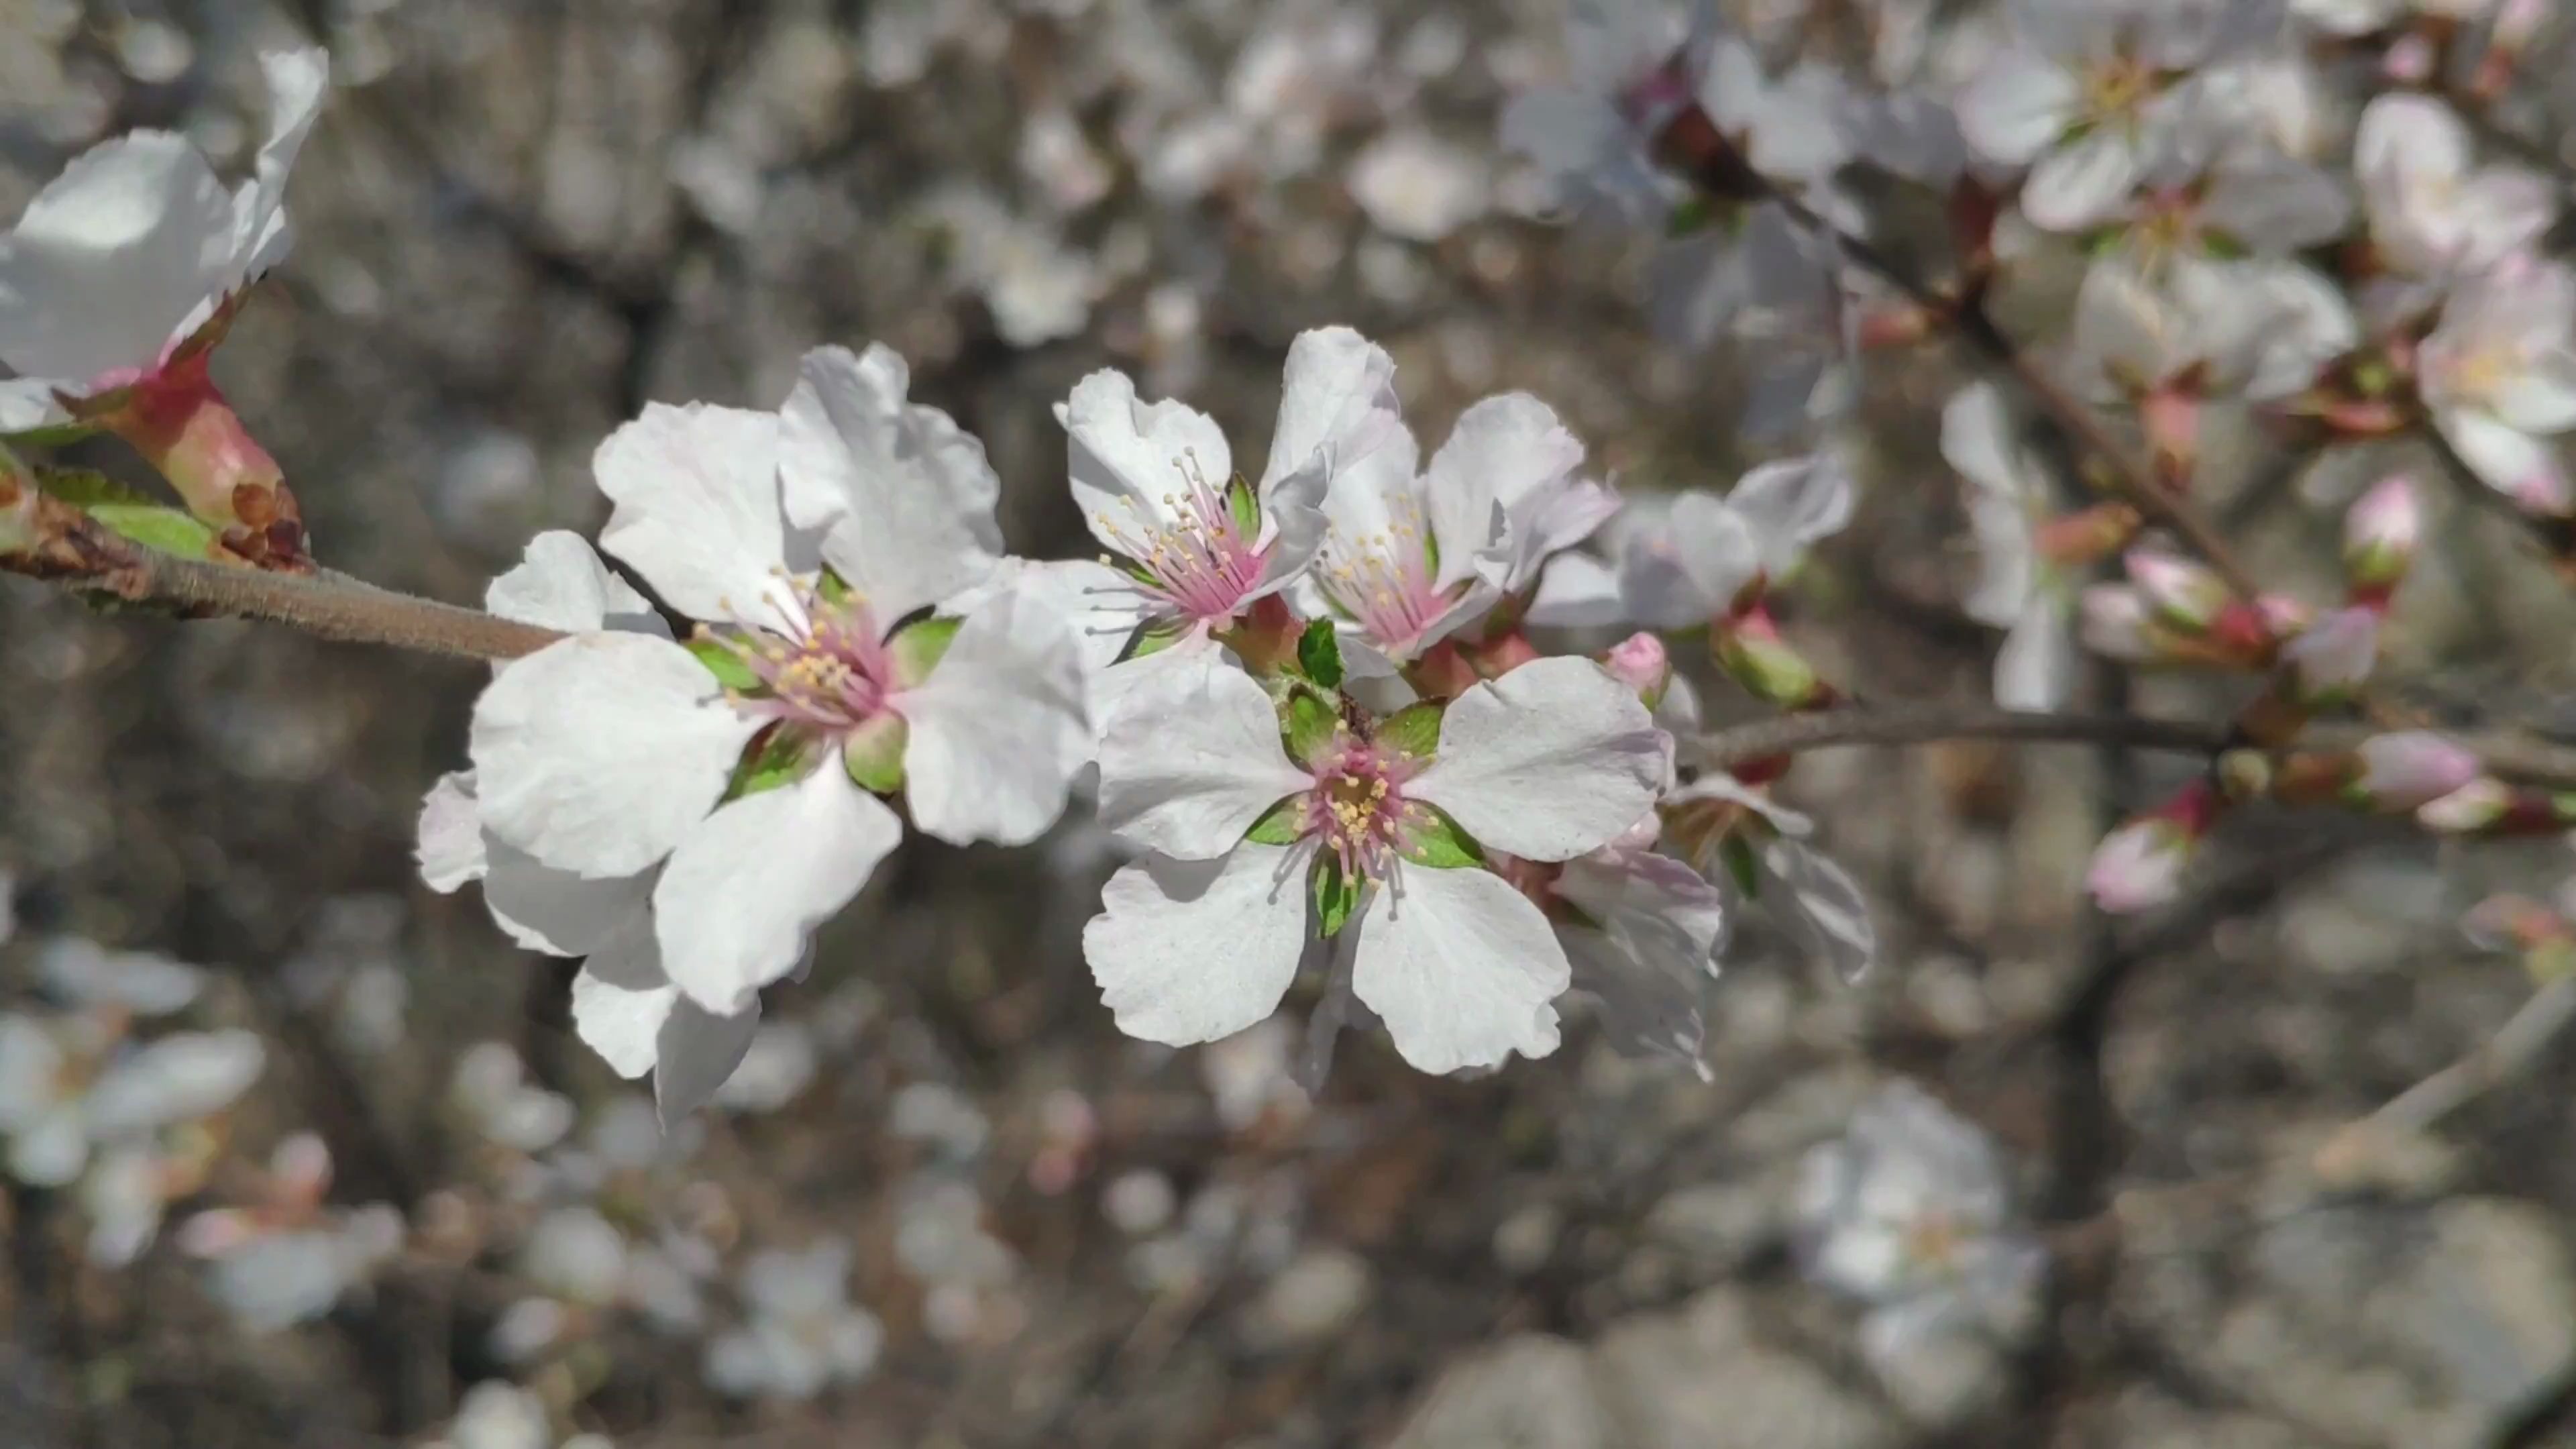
(1357,806)
(1385,581)
(1201,565)
(830,676)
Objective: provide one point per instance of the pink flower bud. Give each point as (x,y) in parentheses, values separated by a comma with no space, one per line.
(2115,622)
(1749,648)
(2474,806)
(1641,663)
(2381,532)
(2334,656)
(2187,595)
(2412,768)
(2140,865)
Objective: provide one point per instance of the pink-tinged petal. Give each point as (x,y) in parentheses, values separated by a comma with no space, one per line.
(744,893)
(1461,967)
(999,729)
(1546,762)
(118,257)
(1337,397)
(560,582)
(2514,463)
(697,509)
(906,496)
(600,753)
(2413,768)
(1189,951)
(2139,866)
(2082,183)
(1190,759)
(2017,107)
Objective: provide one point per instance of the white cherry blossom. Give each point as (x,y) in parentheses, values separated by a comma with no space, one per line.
(2498,374)
(137,245)
(803,1334)
(2017,589)
(1645,945)
(2433,211)
(1201,939)
(1593,136)
(1683,562)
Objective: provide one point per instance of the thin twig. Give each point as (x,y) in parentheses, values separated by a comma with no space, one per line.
(331,606)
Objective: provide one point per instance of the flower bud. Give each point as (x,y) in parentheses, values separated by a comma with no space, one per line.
(2333,657)
(2140,865)
(2115,621)
(2411,768)
(2184,594)
(2380,535)
(2474,806)
(1749,648)
(1641,663)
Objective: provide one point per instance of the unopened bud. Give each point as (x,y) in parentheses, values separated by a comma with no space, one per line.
(2333,657)
(1749,648)
(2473,807)
(2140,865)
(2115,622)
(2184,594)
(1641,663)
(2411,768)
(2380,535)
(2080,539)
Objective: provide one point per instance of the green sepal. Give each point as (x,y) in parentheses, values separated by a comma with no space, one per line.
(1414,729)
(1155,639)
(831,588)
(723,661)
(1319,654)
(1695,213)
(873,754)
(1278,824)
(1245,506)
(776,757)
(1736,854)
(1312,724)
(1336,895)
(156,526)
(1441,845)
(917,648)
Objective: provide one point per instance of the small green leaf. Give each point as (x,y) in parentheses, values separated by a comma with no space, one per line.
(1278,825)
(156,526)
(1695,213)
(1155,640)
(723,661)
(1414,729)
(1442,845)
(1313,723)
(1319,654)
(1245,505)
(776,757)
(873,754)
(918,647)
(1736,853)
(1336,895)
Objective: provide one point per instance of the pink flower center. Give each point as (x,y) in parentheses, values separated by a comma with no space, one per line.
(1385,581)
(830,675)
(1196,559)
(1358,808)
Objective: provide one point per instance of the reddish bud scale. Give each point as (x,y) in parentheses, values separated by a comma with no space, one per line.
(2081,539)
(1497,657)
(2313,778)
(1443,673)
(2170,417)
(178,420)
(1265,638)
(1691,144)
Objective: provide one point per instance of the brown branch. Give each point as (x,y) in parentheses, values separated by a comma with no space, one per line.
(328,606)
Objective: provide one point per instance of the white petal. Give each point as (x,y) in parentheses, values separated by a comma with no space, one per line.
(2080,184)
(2510,461)
(50,1151)
(905,494)
(1791,503)
(1978,440)
(116,259)
(31,1067)
(2007,558)
(743,894)
(2127,328)
(2017,107)
(1577,591)
(1502,450)
(697,511)
(999,729)
(1189,951)
(599,753)
(699,1051)
(175,1079)
(2036,667)
(1692,569)
(2540,398)
(297,80)
(555,911)
(1461,967)
(625,1010)
(1650,961)
(1094,600)
(1818,904)
(1546,762)
(1128,455)
(1337,396)
(1191,758)
(561,583)
(450,849)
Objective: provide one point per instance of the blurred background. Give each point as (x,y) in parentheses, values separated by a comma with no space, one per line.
(946,1203)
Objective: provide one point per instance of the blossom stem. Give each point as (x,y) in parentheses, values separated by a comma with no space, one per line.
(2500,754)
(325,605)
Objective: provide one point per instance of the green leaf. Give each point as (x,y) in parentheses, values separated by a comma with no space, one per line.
(1442,845)
(873,754)
(1319,654)
(1336,895)
(1277,825)
(917,648)
(776,757)
(1414,729)
(723,661)
(156,526)
(1245,505)
(1736,853)
(1155,640)
(1695,213)
(1313,723)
